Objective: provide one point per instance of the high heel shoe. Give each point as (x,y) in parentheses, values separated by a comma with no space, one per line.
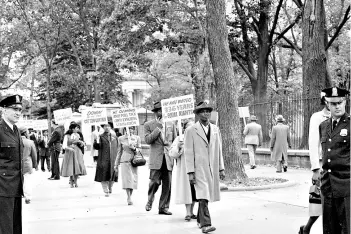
(301,229)
(71,183)
(129,201)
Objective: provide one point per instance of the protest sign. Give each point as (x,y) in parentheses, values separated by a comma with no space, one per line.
(177,109)
(40,124)
(62,115)
(244,112)
(94,116)
(125,117)
(25,123)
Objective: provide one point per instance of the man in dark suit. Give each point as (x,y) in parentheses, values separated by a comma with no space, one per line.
(11,177)
(55,148)
(334,136)
(33,137)
(160,135)
(44,151)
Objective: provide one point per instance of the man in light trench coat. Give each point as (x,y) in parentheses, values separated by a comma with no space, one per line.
(204,163)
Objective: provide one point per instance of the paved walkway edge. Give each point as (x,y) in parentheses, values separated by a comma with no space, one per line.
(286,184)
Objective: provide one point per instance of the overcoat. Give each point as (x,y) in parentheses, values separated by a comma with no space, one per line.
(336,157)
(205,159)
(11,151)
(29,156)
(280,141)
(183,190)
(314,143)
(158,146)
(43,151)
(253,134)
(107,155)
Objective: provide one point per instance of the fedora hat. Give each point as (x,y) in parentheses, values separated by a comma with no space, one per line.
(253,118)
(201,106)
(280,118)
(157,106)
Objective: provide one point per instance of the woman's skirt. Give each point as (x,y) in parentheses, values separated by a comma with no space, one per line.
(129,176)
(73,163)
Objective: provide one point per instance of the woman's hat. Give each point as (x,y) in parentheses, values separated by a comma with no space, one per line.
(157,106)
(201,106)
(109,123)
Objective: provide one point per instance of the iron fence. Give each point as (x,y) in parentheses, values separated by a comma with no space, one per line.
(296,111)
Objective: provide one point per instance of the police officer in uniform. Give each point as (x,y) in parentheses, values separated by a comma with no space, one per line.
(335,140)
(11,177)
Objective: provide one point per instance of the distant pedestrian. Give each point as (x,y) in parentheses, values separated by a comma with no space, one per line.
(126,150)
(44,151)
(204,163)
(11,177)
(315,152)
(29,162)
(185,192)
(55,148)
(335,139)
(107,145)
(34,137)
(280,142)
(160,135)
(253,138)
(73,162)
(95,133)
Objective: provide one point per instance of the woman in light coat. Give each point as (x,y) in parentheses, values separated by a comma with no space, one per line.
(126,149)
(185,193)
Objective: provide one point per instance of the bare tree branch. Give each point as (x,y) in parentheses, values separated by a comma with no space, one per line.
(275,21)
(298,3)
(15,80)
(248,73)
(295,47)
(280,35)
(346,17)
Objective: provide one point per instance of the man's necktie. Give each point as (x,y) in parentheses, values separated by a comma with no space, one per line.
(15,130)
(334,124)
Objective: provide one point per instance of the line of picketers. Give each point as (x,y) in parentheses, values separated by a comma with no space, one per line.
(198,153)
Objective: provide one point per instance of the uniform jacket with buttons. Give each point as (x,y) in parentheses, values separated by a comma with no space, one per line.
(336,157)
(11,151)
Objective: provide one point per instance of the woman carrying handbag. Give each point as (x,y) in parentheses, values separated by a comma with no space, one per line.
(127,148)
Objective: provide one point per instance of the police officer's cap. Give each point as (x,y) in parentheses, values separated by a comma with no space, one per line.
(334,94)
(11,100)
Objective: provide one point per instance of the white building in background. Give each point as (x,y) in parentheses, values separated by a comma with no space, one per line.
(136,86)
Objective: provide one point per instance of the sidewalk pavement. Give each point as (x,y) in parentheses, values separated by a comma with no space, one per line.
(56,208)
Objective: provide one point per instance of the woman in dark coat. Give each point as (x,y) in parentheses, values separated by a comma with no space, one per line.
(107,145)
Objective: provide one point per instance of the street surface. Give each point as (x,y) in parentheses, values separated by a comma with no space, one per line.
(58,209)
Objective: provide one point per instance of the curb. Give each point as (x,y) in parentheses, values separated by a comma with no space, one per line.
(286,184)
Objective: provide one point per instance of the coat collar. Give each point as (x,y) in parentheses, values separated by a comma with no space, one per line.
(8,131)
(341,124)
(200,131)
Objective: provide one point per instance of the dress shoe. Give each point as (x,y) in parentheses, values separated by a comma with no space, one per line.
(27,201)
(107,194)
(253,167)
(148,206)
(193,216)
(301,229)
(285,169)
(187,218)
(164,212)
(43,170)
(53,178)
(208,229)
(279,171)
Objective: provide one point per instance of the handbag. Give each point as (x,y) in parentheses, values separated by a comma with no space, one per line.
(137,159)
(315,195)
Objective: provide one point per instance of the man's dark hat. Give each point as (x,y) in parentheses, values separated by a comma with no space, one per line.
(201,106)
(11,100)
(109,123)
(334,92)
(157,106)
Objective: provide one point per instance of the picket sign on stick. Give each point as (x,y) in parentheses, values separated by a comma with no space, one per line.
(62,115)
(244,112)
(178,108)
(125,118)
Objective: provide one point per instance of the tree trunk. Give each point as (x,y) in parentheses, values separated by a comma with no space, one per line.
(314,58)
(197,79)
(48,96)
(227,91)
(260,88)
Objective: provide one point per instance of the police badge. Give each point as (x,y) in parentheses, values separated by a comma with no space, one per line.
(343,132)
